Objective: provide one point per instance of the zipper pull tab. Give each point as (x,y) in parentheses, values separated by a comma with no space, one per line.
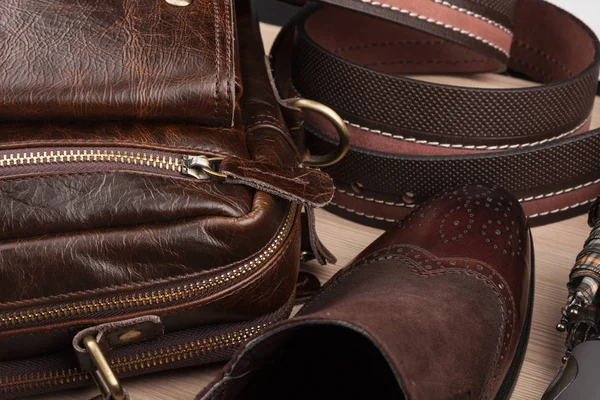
(202,167)
(306,186)
(301,185)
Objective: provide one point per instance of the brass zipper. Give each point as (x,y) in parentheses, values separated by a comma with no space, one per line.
(90,155)
(68,159)
(152,297)
(135,362)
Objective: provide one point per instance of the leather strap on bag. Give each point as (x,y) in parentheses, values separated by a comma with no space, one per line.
(412,138)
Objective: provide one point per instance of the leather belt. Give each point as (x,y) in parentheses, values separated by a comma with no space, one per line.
(413,137)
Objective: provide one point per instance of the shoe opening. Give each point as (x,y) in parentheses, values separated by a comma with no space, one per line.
(316,362)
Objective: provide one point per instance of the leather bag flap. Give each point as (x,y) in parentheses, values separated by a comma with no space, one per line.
(117,59)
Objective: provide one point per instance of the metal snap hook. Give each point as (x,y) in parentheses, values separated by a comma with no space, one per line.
(104,376)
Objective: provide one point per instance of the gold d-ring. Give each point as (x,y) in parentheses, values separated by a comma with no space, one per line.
(341,128)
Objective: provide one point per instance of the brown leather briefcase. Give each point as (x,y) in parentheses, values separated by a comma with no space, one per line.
(150,193)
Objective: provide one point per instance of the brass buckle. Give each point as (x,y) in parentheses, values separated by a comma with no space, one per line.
(341,128)
(105,378)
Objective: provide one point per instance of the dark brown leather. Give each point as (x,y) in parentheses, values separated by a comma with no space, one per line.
(337,81)
(120,223)
(98,243)
(117,59)
(414,137)
(438,308)
(147,352)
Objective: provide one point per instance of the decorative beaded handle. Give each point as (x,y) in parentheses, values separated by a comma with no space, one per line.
(580,317)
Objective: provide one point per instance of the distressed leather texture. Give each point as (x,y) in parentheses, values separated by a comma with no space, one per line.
(133,59)
(80,248)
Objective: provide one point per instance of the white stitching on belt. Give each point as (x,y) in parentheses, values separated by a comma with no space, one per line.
(475,15)
(459,146)
(531,216)
(562,209)
(522,200)
(372,199)
(439,23)
(552,194)
(468,147)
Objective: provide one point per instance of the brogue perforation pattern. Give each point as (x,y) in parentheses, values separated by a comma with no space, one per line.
(466,215)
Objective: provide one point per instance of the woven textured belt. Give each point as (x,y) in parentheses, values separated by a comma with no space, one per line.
(412,137)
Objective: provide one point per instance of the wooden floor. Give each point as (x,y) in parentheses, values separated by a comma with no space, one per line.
(556,246)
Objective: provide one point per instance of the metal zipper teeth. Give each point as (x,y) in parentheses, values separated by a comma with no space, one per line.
(169,163)
(155,297)
(135,362)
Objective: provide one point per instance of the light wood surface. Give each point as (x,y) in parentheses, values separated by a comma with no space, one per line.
(556,247)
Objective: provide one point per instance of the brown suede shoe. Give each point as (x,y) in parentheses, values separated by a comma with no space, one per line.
(439,307)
